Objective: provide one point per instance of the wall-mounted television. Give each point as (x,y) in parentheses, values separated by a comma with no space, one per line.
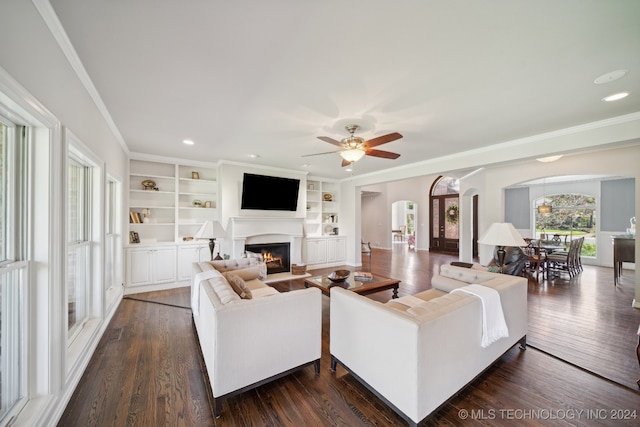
(269,193)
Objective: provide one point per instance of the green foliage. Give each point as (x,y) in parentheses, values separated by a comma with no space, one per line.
(588,249)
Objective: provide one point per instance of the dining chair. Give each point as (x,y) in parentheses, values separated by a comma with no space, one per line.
(365,248)
(569,261)
(536,258)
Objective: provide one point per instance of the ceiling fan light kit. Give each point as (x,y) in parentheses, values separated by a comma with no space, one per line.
(352,154)
(354,147)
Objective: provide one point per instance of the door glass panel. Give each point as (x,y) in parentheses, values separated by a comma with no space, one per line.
(435,217)
(451,218)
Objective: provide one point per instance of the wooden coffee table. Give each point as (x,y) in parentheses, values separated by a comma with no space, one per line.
(377,284)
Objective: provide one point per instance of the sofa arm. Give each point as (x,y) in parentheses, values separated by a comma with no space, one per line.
(259,338)
(377,343)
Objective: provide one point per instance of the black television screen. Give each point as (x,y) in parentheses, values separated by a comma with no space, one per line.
(269,193)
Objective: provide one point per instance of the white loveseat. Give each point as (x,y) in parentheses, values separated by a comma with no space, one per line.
(248,342)
(415,357)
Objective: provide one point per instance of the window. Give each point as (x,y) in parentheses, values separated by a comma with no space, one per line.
(79,245)
(13,270)
(572,215)
(3,190)
(111,233)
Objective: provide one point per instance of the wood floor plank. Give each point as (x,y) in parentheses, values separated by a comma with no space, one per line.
(146,370)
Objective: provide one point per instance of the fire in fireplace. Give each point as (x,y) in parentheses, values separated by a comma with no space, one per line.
(275,255)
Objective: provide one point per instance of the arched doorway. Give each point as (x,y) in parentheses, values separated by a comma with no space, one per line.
(445,216)
(403,222)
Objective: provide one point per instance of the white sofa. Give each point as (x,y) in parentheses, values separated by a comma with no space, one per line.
(248,342)
(418,353)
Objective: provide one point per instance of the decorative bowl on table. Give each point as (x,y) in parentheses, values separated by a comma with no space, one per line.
(338,275)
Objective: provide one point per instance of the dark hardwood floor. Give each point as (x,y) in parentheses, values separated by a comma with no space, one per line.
(580,369)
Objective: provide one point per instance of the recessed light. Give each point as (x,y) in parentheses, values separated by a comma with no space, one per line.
(254,156)
(615,96)
(549,159)
(348,170)
(187,142)
(611,76)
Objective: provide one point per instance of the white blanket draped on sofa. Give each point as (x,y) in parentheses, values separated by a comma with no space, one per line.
(494,326)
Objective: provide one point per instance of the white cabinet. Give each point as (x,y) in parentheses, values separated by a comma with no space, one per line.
(187,255)
(325,251)
(337,250)
(315,251)
(168,203)
(322,208)
(151,265)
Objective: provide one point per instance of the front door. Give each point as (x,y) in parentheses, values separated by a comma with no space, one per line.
(444,224)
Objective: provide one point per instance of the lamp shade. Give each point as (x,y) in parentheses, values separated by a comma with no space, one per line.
(210,230)
(352,155)
(502,234)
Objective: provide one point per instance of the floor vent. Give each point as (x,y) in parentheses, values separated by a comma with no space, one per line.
(115,334)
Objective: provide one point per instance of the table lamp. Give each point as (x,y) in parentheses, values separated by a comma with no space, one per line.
(211,230)
(502,234)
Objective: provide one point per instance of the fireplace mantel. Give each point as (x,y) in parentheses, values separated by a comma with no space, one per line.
(250,227)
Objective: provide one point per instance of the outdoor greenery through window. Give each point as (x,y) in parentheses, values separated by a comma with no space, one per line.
(572,216)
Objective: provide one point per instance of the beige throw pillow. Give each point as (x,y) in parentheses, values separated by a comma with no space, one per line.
(239,285)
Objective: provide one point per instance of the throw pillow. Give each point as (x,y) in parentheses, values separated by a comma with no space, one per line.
(239,285)
(246,274)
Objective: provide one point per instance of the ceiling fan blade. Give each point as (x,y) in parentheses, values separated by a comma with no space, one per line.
(383,139)
(330,140)
(345,162)
(319,154)
(382,153)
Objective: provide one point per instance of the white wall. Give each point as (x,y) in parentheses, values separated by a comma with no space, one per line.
(46,82)
(376,218)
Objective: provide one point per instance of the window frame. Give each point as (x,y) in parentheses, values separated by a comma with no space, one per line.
(91,242)
(14,269)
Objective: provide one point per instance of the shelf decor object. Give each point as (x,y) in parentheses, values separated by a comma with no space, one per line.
(211,230)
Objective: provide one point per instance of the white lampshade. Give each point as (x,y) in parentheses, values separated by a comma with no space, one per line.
(210,230)
(352,155)
(502,234)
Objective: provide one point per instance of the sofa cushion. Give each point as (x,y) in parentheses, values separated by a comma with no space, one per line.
(246,274)
(223,290)
(437,306)
(239,285)
(234,264)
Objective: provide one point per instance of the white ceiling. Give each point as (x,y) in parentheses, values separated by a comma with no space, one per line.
(268,77)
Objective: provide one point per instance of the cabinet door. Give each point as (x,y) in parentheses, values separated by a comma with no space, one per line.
(163,266)
(187,255)
(336,250)
(139,267)
(316,251)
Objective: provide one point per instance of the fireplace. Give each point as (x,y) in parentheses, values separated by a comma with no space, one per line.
(275,255)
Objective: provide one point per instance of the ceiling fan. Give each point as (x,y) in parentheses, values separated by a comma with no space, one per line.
(353,148)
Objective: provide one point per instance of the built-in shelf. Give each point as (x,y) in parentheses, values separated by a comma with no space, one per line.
(176,200)
(322,208)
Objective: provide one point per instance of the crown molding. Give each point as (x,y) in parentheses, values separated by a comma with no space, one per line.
(53,23)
